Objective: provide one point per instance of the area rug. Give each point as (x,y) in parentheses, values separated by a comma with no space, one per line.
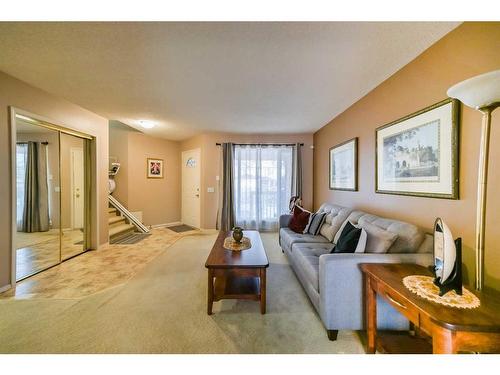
(181,228)
(131,238)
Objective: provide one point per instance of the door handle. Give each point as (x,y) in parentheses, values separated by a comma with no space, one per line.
(197,195)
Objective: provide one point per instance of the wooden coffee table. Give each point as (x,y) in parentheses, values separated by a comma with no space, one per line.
(237,274)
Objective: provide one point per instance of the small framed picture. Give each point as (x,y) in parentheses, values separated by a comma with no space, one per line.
(344,166)
(155,168)
(418,154)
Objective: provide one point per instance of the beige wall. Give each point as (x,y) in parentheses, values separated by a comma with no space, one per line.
(158,199)
(210,164)
(16,93)
(471,49)
(118,152)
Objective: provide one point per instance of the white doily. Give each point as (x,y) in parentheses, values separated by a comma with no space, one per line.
(424,287)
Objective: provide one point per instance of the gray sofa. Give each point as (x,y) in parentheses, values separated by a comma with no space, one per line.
(334,282)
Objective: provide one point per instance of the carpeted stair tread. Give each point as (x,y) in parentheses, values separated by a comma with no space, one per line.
(120,229)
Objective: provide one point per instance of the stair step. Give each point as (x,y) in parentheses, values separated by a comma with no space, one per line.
(113,220)
(120,229)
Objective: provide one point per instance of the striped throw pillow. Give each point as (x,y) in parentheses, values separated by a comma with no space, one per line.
(315,223)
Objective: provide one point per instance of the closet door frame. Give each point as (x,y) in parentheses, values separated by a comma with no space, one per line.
(89,145)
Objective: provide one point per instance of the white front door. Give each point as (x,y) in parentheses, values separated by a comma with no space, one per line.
(191,187)
(77,188)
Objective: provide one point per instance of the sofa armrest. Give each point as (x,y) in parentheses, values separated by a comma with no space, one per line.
(285,220)
(341,289)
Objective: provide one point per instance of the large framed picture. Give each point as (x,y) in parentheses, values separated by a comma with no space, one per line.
(155,168)
(418,154)
(344,166)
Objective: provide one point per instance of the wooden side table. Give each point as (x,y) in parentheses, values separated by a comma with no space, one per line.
(452,330)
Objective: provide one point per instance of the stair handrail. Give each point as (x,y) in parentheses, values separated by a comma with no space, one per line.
(124,212)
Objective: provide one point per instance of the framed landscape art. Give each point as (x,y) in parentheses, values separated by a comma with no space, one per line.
(155,168)
(418,154)
(344,166)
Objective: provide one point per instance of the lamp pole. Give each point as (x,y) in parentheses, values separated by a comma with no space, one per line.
(482,190)
(482,93)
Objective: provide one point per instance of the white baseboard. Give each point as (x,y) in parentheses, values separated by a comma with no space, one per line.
(166,225)
(5,288)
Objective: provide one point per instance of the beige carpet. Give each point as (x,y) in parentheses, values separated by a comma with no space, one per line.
(162,309)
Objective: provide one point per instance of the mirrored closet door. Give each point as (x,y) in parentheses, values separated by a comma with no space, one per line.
(51,196)
(72,195)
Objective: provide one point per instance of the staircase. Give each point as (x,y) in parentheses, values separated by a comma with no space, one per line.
(118,225)
(122,223)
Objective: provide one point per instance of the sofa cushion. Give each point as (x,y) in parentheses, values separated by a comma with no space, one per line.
(289,237)
(317,220)
(299,219)
(306,257)
(339,232)
(409,237)
(361,247)
(378,240)
(348,240)
(327,229)
(336,215)
(362,239)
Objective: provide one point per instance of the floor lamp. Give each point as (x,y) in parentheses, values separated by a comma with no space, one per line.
(482,93)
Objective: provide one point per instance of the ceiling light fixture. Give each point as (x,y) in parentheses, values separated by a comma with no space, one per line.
(146,124)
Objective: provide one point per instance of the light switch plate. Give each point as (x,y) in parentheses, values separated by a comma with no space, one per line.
(217,178)
(211,190)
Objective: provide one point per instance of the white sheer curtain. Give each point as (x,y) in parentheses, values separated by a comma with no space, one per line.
(21,156)
(263,183)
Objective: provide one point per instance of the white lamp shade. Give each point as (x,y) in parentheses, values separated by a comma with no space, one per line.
(479,91)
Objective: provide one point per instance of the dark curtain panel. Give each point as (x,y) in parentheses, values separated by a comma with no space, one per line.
(297,171)
(228,211)
(36,197)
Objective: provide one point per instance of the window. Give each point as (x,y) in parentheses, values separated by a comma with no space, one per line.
(263,183)
(21,156)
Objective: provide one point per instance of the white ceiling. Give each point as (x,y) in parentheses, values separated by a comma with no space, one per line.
(194,77)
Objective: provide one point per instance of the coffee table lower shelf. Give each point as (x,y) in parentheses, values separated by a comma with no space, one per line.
(247,284)
(237,288)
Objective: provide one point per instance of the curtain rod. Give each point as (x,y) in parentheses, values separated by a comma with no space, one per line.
(263,144)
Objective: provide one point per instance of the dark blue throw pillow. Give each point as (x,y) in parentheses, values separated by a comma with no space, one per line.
(348,239)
